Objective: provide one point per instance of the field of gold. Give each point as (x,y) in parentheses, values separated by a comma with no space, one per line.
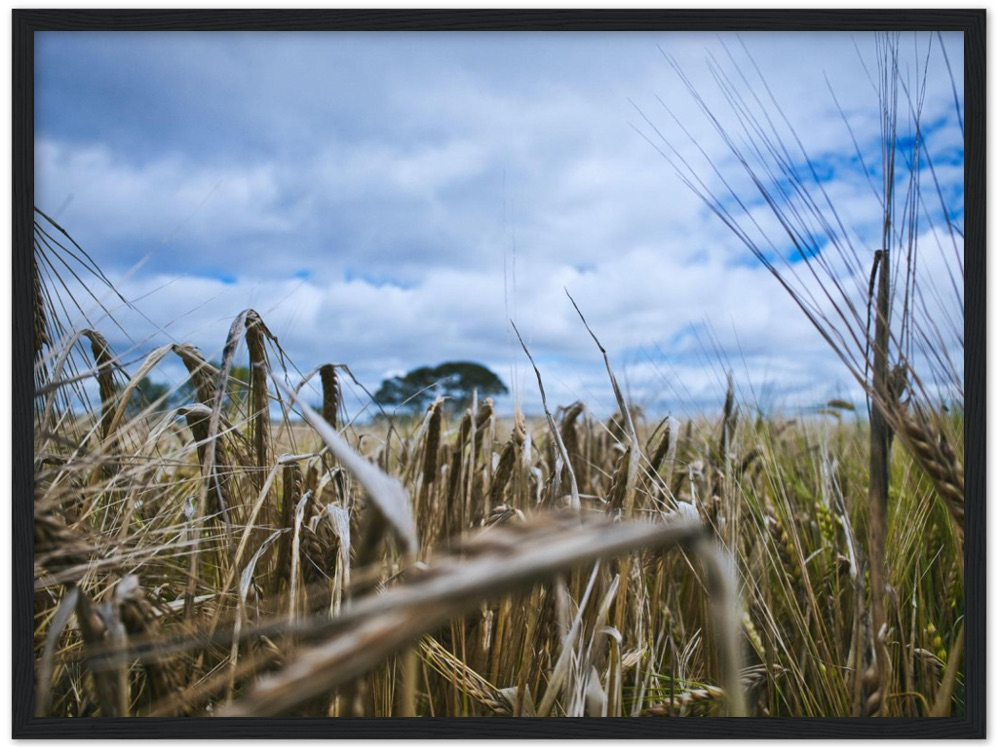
(242,553)
(210,559)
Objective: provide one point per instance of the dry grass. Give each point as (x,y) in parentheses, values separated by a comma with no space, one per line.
(304,569)
(214,559)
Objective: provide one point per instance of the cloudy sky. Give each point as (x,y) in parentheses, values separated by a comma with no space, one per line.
(390,200)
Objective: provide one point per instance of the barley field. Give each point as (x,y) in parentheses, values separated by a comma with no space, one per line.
(256,551)
(211,560)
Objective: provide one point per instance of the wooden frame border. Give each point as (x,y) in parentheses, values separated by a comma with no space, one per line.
(26,22)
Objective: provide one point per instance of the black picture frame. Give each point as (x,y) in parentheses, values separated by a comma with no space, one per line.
(25,23)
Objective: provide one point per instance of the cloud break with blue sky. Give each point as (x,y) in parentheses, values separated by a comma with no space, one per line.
(388,200)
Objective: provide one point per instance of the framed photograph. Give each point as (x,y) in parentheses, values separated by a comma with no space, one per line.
(498,374)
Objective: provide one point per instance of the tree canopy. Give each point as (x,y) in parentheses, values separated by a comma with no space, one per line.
(458,381)
(148,393)
(236,392)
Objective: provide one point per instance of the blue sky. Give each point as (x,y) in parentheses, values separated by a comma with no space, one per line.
(390,200)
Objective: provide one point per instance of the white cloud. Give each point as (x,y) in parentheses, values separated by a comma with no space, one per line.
(163,202)
(426,195)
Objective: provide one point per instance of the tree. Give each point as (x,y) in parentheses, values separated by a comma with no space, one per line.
(146,394)
(236,392)
(458,381)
